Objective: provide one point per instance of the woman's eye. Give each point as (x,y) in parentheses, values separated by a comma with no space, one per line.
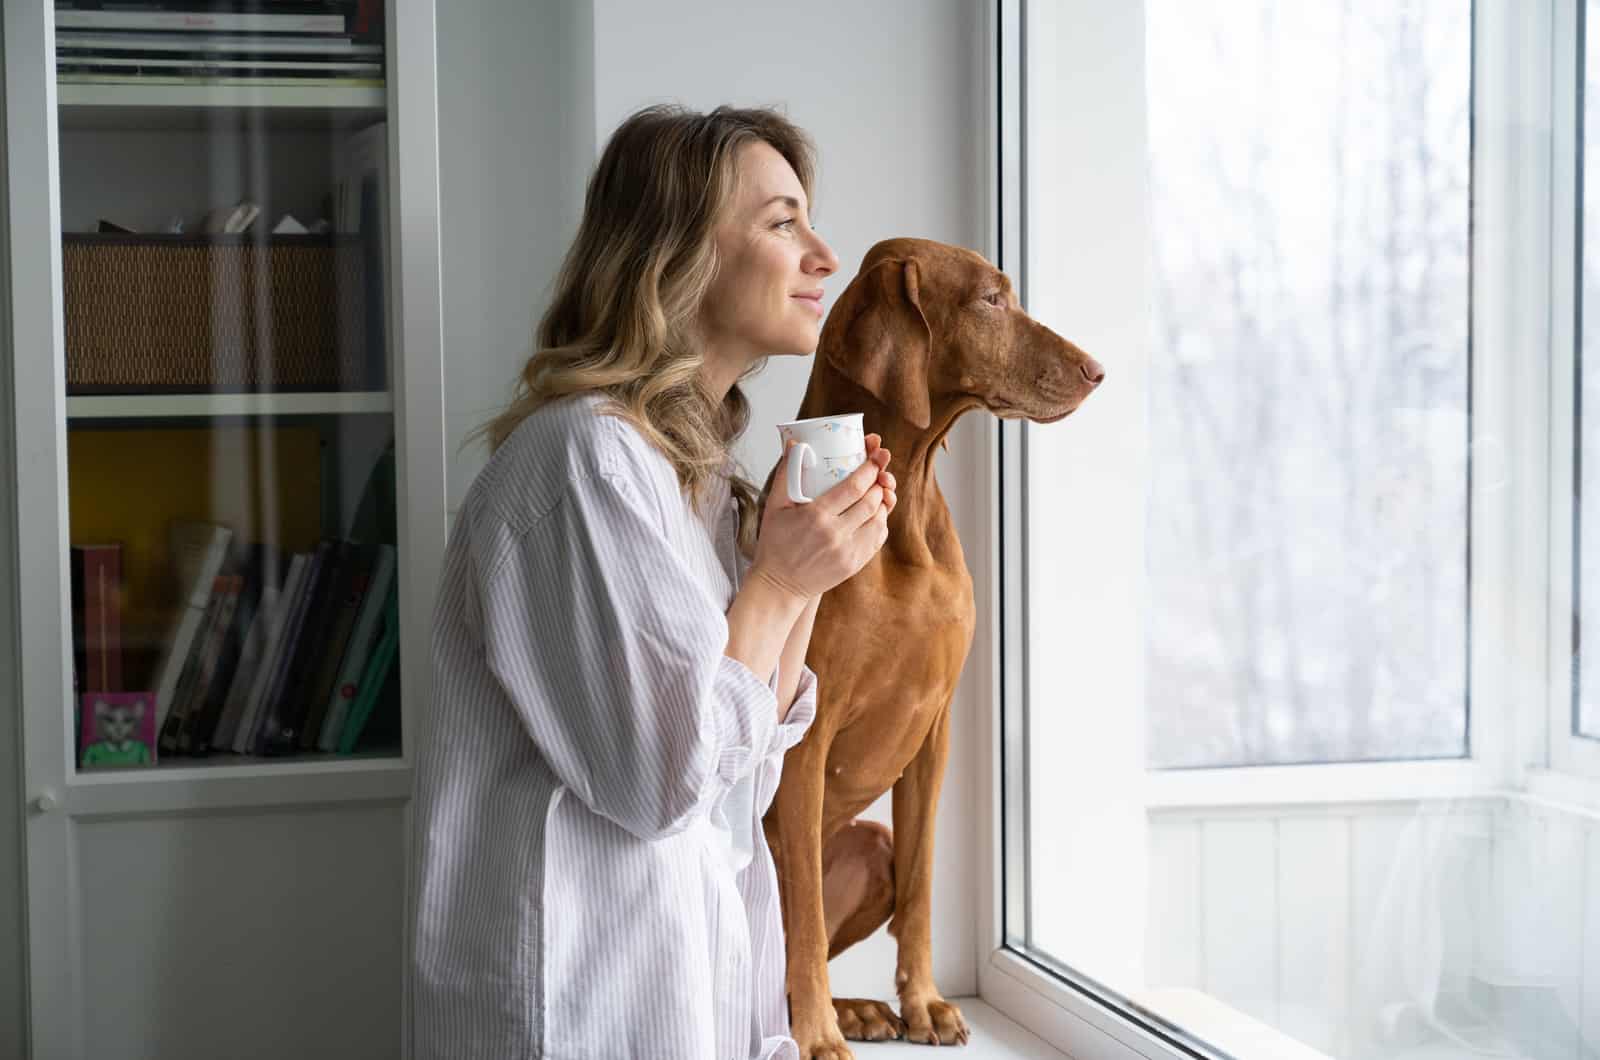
(785,221)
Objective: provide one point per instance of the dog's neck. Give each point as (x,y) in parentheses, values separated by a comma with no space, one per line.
(920,507)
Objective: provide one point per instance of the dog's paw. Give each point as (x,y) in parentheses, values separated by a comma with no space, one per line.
(861,1020)
(934,1022)
(825,1046)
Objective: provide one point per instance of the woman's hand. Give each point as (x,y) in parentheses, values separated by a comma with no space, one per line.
(807,549)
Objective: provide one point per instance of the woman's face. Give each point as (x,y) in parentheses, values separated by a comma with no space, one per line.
(767,297)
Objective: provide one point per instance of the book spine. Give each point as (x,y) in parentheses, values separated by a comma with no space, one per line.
(207,675)
(288,606)
(257,740)
(183,691)
(371,685)
(102,623)
(255,639)
(233,645)
(346,606)
(363,639)
(80,655)
(191,609)
(282,734)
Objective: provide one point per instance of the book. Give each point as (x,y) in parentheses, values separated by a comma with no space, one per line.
(230,588)
(274,671)
(261,568)
(375,677)
(345,603)
(364,637)
(97,616)
(281,734)
(382,729)
(167,734)
(244,699)
(255,638)
(198,550)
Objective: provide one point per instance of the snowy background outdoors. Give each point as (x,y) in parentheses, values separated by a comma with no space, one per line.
(1309,175)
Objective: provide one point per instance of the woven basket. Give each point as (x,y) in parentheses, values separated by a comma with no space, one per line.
(216,313)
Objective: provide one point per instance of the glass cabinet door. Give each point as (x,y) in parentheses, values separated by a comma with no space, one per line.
(230,418)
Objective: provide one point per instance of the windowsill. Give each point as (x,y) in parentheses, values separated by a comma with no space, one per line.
(1580,795)
(994,1037)
(1223,1027)
(1287,787)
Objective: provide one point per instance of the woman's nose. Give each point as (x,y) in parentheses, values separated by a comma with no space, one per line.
(823,260)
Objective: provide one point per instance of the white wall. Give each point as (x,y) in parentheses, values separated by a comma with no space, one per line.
(889,91)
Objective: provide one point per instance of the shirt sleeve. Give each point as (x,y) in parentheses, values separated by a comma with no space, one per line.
(801,714)
(611,652)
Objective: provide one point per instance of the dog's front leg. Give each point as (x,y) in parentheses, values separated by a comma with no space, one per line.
(929,1018)
(794,832)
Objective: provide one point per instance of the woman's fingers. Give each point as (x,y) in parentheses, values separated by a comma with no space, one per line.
(849,490)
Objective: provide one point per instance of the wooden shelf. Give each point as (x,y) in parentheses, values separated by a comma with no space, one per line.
(183,406)
(100,102)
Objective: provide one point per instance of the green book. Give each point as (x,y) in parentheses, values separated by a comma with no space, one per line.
(372,680)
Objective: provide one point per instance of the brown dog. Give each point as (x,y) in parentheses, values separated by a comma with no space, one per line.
(923,333)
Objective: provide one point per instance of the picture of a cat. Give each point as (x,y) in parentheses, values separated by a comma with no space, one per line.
(117,742)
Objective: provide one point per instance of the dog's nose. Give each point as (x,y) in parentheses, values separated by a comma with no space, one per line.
(1092,371)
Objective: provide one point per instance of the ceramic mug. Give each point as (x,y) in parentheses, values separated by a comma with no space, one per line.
(827,449)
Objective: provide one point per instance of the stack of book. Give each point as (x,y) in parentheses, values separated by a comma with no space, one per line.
(299,41)
(276,654)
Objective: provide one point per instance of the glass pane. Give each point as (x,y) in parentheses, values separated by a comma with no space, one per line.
(230,421)
(1307,514)
(1310,173)
(1586,721)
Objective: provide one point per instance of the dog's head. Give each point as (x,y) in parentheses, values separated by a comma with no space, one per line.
(926,324)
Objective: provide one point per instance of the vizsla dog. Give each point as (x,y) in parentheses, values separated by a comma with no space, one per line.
(924,333)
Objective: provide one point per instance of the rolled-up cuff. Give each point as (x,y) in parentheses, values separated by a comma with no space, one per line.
(801,712)
(746,717)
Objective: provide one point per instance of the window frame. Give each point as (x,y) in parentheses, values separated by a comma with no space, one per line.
(1574,761)
(1516,488)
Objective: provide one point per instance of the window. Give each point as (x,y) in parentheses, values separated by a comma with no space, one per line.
(1289,605)
(1309,172)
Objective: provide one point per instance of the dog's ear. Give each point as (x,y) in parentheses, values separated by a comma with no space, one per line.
(884,344)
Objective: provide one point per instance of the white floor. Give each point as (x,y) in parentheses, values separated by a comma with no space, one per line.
(993,1038)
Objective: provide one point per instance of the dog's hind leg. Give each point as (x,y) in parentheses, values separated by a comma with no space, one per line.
(857,897)
(857,883)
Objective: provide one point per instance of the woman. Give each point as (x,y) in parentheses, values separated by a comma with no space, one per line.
(618,648)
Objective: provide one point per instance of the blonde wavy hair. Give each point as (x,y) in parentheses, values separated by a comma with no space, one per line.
(627,299)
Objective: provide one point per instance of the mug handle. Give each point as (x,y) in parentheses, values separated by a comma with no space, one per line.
(801,458)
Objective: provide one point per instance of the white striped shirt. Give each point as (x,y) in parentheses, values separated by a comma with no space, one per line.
(593,880)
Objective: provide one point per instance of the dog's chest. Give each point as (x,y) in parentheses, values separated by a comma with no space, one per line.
(891,666)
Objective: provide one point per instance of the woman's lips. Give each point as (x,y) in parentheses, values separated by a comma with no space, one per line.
(814,303)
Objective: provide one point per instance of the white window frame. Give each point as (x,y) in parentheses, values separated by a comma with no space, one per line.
(1519,629)
(1574,773)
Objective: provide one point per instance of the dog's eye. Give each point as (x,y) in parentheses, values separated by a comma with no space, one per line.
(995,298)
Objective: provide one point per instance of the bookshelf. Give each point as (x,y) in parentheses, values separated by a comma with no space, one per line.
(136,407)
(119,103)
(144,879)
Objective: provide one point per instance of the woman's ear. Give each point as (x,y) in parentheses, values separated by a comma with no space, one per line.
(882,341)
